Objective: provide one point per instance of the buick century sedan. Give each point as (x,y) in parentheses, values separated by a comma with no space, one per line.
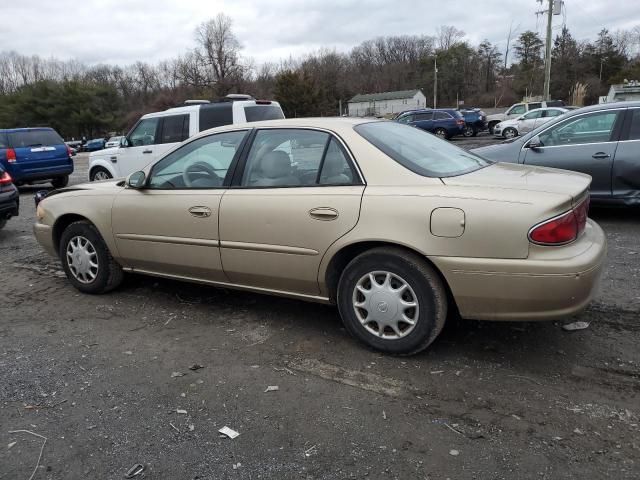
(396,227)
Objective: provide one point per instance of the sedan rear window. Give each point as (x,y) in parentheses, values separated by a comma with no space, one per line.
(263,112)
(34,138)
(419,151)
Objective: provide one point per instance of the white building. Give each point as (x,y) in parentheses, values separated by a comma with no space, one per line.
(372,104)
(623,92)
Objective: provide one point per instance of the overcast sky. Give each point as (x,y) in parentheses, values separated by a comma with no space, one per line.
(122,32)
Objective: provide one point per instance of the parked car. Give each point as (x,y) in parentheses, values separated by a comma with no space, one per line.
(94,145)
(601,141)
(157,133)
(520,109)
(395,226)
(74,144)
(445,123)
(35,155)
(475,121)
(9,198)
(113,142)
(527,122)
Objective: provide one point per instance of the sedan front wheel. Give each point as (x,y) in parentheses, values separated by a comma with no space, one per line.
(86,259)
(392,301)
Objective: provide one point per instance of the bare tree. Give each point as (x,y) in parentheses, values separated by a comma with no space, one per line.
(448,36)
(219,50)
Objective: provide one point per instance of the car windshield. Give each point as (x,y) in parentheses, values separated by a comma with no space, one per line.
(419,151)
(114,139)
(34,138)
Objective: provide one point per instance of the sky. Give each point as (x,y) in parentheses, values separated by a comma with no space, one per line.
(126,31)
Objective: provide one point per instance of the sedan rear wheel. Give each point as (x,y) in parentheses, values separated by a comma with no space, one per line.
(441,132)
(99,173)
(392,301)
(469,131)
(509,132)
(86,259)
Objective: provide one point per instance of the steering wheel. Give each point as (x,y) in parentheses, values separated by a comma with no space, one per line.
(198,167)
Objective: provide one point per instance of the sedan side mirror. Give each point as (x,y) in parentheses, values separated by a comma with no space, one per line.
(535,143)
(137,180)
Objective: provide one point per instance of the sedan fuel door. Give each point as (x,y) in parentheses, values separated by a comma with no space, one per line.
(583,143)
(169,226)
(297,193)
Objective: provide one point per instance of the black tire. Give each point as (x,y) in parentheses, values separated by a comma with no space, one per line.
(60,182)
(109,273)
(469,131)
(491,125)
(442,133)
(424,282)
(99,170)
(3,222)
(509,132)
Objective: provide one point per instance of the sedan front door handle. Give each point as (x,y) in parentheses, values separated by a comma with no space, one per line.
(147,151)
(600,155)
(200,212)
(323,213)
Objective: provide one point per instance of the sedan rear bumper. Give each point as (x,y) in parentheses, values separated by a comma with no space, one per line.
(552,283)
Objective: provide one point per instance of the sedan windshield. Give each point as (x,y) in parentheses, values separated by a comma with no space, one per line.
(419,151)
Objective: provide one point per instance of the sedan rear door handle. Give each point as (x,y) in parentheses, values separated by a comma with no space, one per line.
(600,155)
(323,213)
(200,212)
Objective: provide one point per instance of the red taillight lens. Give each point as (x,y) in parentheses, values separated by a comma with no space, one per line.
(69,151)
(5,179)
(460,122)
(11,155)
(562,229)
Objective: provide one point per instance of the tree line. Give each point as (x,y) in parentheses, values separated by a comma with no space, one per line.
(91,100)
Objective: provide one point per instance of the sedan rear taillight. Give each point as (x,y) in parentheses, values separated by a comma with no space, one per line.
(11,155)
(460,122)
(562,229)
(69,152)
(5,179)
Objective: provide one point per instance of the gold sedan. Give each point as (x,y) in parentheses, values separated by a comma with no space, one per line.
(395,226)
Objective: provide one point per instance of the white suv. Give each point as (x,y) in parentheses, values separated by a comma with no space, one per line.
(520,109)
(157,133)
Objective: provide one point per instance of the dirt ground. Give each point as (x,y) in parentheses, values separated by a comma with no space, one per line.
(107,380)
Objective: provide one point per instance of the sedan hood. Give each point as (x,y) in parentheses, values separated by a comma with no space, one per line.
(525,178)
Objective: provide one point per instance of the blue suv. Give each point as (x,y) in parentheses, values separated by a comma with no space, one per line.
(33,155)
(444,122)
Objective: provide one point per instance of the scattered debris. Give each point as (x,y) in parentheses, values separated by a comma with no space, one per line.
(237,465)
(181,411)
(11,445)
(577,431)
(195,366)
(570,327)
(310,451)
(284,369)
(41,448)
(228,432)
(454,453)
(516,416)
(272,388)
(177,374)
(91,427)
(384,414)
(174,427)
(525,378)
(134,471)
(437,372)
(557,439)
(192,427)
(128,352)
(453,429)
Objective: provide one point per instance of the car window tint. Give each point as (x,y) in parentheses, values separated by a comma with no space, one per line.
(34,138)
(263,112)
(215,115)
(4,143)
(423,116)
(284,158)
(552,113)
(533,106)
(533,115)
(517,110)
(592,128)
(335,166)
(634,132)
(441,116)
(172,128)
(203,163)
(419,151)
(406,119)
(144,133)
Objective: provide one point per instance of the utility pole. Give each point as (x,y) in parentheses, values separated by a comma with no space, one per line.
(435,82)
(547,57)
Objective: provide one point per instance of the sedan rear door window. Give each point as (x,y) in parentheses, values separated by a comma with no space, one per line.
(634,131)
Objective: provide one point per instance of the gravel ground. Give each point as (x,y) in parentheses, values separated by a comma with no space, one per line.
(107,380)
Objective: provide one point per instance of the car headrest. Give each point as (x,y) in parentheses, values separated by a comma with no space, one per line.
(276,164)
